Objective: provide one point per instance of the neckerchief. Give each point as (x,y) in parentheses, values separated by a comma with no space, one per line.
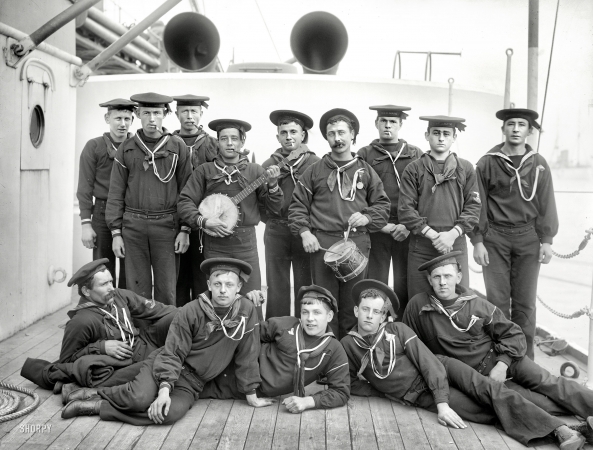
(199,135)
(373,348)
(303,354)
(448,170)
(343,181)
(227,176)
(158,152)
(452,310)
(111,147)
(230,320)
(292,167)
(391,157)
(519,174)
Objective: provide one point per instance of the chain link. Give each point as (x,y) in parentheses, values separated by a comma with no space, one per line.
(582,245)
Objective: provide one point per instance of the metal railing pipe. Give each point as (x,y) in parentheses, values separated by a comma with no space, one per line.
(507,82)
(87,43)
(29,43)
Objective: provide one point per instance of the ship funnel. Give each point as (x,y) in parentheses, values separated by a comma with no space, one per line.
(192,42)
(319,41)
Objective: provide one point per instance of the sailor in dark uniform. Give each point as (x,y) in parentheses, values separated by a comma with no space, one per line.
(389,156)
(201,148)
(518,220)
(283,249)
(338,192)
(229,175)
(96,162)
(149,172)
(439,201)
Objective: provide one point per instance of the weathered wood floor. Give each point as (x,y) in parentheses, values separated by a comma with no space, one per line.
(219,424)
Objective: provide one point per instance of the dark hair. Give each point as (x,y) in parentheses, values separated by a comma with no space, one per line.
(288,121)
(374,293)
(242,134)
(315,301)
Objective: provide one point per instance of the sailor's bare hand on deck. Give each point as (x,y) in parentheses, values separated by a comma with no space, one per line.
(297,405)
(218,226)
(159,409)
(310,242)
(447,417)
(181,242)
(253,400)
(118,247)
(400,232)
(358,220)
(481,254)
(89,236)
(118,349)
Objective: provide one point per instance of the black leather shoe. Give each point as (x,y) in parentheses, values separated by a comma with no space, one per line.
(569,439)
(82,394)
(67,389)
(77,408)
(585,428)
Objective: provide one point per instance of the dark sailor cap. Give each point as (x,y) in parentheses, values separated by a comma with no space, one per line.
(388,294)
(318,293)
(87,271)
(519,113)
(241,268)
(152,100)
(191,100)
(444,121)
(281,115)
(441,260)
(221,124)
(119,103)
(391,110)
(338,114)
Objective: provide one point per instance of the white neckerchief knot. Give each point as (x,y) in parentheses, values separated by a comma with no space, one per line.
(306,350)
(159,145)
(369,355)
(393,160)
(538,169)
(229,176)
(451,316)
(126,323)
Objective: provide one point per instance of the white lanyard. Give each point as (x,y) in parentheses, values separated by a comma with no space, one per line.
(290,167)
(538,169)
(306,350)
(472,321)
(229,176)
(171,173)
(352,194)
(242,324)
(394,160)
(126,323)
(391,364)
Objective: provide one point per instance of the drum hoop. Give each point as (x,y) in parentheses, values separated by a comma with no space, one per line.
(355,272)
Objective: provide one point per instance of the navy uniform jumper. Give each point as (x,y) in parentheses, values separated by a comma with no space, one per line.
(512,230)
(96,163)
(322,210)
(202,148)
(454,200)
(284,249)
(389,161)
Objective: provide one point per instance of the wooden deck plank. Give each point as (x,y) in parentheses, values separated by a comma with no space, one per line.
(32,345)
(126,438)
(235,431)
(438,435)
(337,429)
(466,438)
(153,437)
(7,427)
(75,433)
(100,436)
(385,423)
(362,431)
(287,431)
(43,440)
(511,443)
(212,424)
(37,351)
(312,435)
(410,427)
(488,437)
(184,430)
(261,429)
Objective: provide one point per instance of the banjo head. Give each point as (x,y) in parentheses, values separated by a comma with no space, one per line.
(219,206)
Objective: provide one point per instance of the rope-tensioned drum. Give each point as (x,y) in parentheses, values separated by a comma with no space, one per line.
(9,402)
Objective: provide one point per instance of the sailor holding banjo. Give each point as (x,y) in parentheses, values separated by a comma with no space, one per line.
(227,224)
(337,197)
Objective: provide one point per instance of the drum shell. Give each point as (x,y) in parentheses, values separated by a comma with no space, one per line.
(350,264)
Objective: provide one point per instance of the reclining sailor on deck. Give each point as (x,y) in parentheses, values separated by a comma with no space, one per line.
(293,354)
(101,344)
(453,321)
(205,336)
(396,364)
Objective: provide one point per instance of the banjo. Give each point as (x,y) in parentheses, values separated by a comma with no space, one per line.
(220,206)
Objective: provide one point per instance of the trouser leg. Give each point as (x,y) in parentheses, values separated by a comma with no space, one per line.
(103,244)
(324,276)
(199,278)
(462,404)
(223,386)
(301,269)
(399,259)
(567,393)
(380,256)
(277,240)
(183,291)
(138,269)
(497,274)
(162,234)
(421,250)
(123,375)
(155,334)
(520,418)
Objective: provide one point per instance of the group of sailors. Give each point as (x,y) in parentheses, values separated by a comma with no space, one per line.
(130,356)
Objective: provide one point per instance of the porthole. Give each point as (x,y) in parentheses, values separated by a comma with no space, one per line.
(37,126)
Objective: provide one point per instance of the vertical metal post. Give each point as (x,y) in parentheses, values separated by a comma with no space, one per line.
(450,81)
(532,60)
(589,382)
(507,81)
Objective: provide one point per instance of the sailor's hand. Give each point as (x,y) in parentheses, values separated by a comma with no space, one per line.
(88,235)
(256,297)
(445,240)
(252,400)
(181,242)
(118,247)
(499,372)
(389,228)
(159,409)
(545,253)
(400,232)
(310,242)
(273,174)
(218,226)
(118,349)
(447,417)
(297,405)
(358,220)
(481,254)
